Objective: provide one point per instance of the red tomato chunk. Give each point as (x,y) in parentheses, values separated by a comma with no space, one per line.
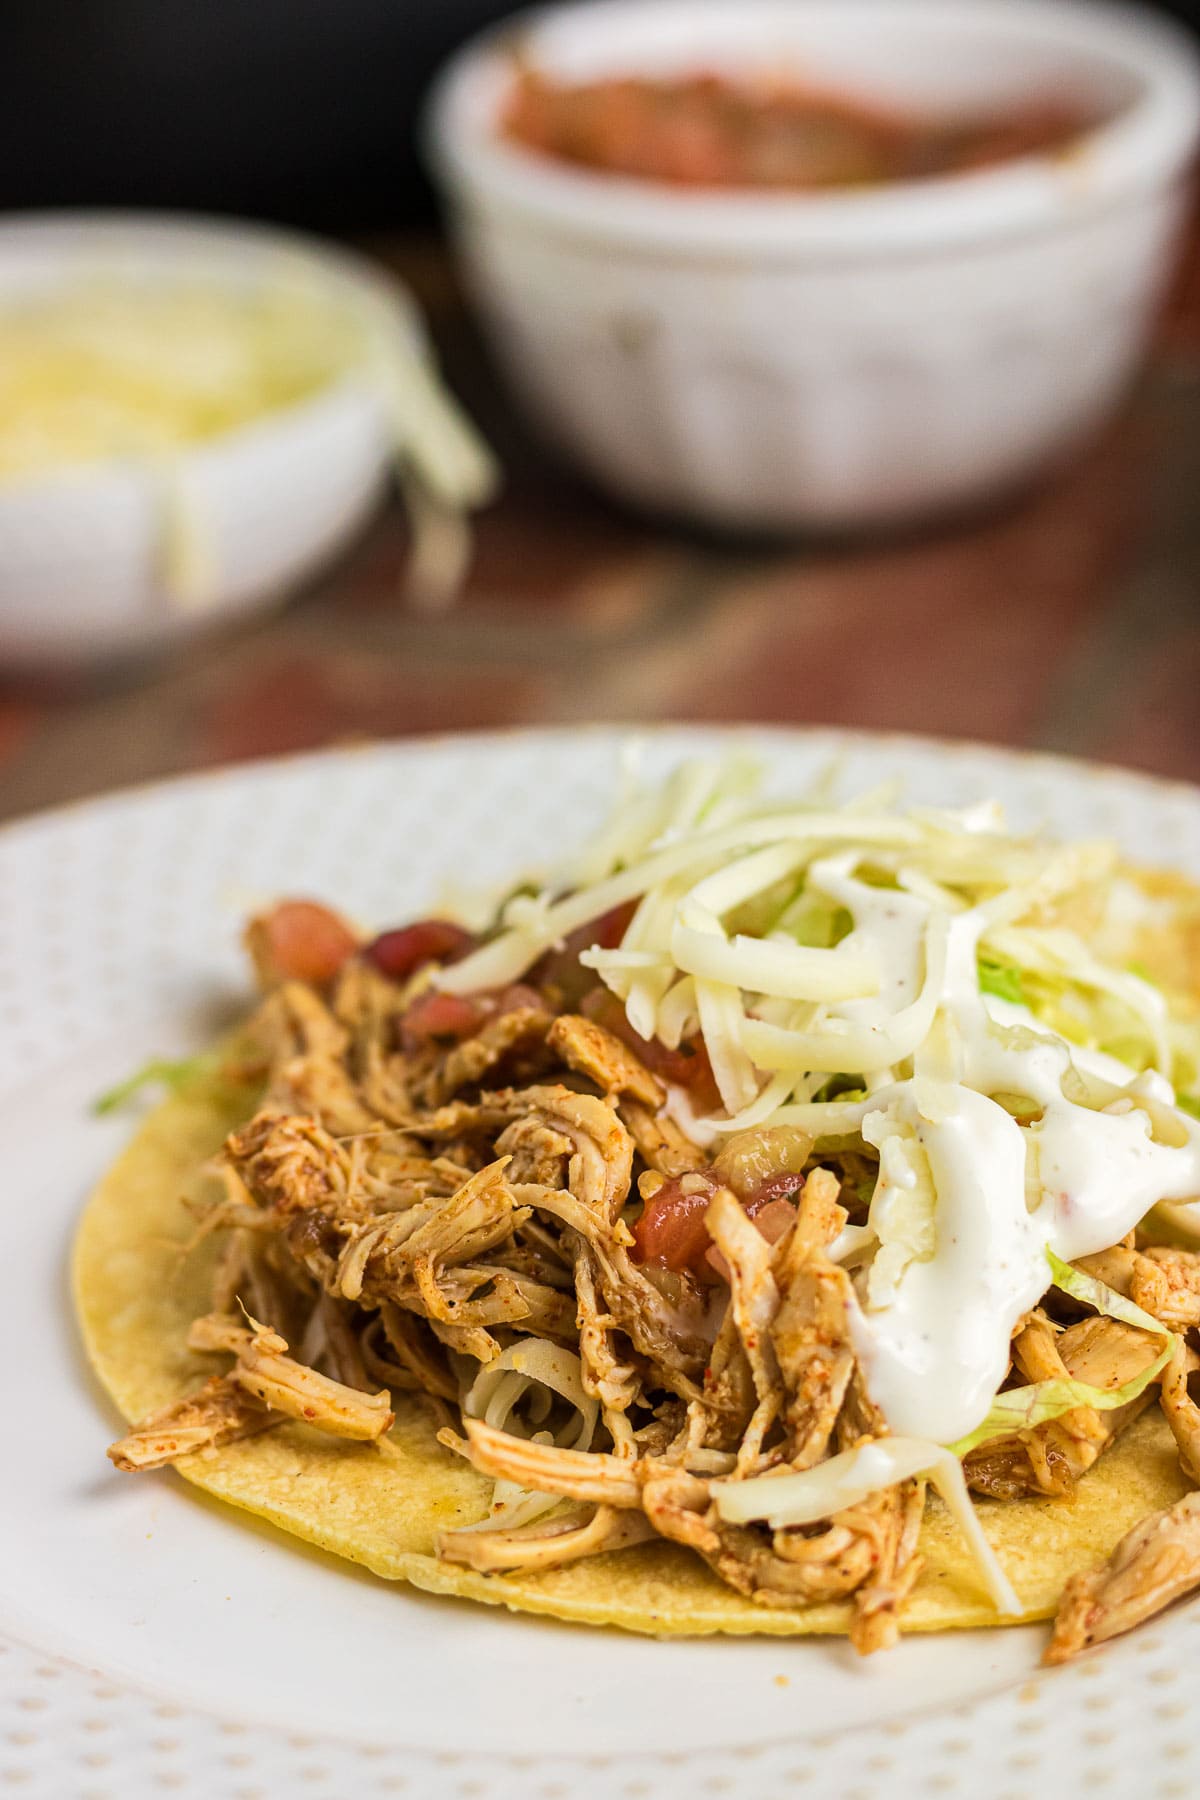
(688,1066)
(300,940)
(400,953)
(671,1232)
(763,1167)
(445,1017)
(561,969)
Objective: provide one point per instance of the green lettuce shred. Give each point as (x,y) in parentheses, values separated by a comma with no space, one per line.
(173,1074)
(1000,979)
(813,920)
(1020,1409)
(1075,1009)
(1094,1292)
(841,1087)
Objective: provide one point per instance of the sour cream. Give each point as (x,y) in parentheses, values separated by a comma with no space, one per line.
(1102,1146)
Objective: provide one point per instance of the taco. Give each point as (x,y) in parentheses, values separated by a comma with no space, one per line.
(778,1221)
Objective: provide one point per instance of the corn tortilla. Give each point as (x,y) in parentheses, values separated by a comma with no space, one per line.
(382,1506)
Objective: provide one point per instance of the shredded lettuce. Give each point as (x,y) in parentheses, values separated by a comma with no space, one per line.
(813,919)
(1097,1293)
(1019,1409)
(172,1073)
(1065,986)
(840,1087)
(765,912)
(1000,979)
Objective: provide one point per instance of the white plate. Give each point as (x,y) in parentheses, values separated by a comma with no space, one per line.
(154,1640)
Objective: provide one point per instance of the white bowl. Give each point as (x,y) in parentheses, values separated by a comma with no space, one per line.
(90,556)
(830,360)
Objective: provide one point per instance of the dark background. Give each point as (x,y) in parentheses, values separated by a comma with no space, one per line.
(1063,617)
(298,110)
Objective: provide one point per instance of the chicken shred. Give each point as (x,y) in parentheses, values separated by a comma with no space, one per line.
(592,1051)
(1051,1458)
(1155,1564)
(545,1545)
(217,1413)
(404,1225)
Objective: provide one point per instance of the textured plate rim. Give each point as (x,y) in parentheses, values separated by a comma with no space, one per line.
(1051,762)
(1076,769)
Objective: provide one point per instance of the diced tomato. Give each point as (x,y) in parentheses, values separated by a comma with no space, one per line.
(398,954)
(764,1163)
(776,1192)
(452,1017)
(446,1017)
(773,1217)
(562,970)
(604,932)
(671,1232)
(299,940)
(688,1066)
(705,130)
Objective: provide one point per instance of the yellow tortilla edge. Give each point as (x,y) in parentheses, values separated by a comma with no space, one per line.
(381,1507)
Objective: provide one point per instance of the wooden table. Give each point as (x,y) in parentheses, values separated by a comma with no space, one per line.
(1068,618)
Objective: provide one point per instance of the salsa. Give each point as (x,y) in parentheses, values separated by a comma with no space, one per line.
(703,130)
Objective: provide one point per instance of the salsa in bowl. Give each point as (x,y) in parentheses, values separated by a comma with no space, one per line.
(851,354)
(707,131)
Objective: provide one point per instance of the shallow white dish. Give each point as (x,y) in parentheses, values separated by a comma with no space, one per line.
(86,553)
(835,359)
(151,1639)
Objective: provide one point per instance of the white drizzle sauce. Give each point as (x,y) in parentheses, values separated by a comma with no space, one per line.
(1076,1179)
(889,926)
(997,1138)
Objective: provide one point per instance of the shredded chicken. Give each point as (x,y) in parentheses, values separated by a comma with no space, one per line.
(1050,1458)
(659,1141)
(1154,1564)
(1170,1288)
(1182,1412)
(894,1525)
(585,1475)
(546,1545)
(753,1304)
(456,1214)
(501,1041)
(592,1051)
(265,1371)
(219,1412)
(294,1021)
(810,1331)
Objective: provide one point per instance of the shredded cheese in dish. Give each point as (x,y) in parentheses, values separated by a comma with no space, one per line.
(112,369)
